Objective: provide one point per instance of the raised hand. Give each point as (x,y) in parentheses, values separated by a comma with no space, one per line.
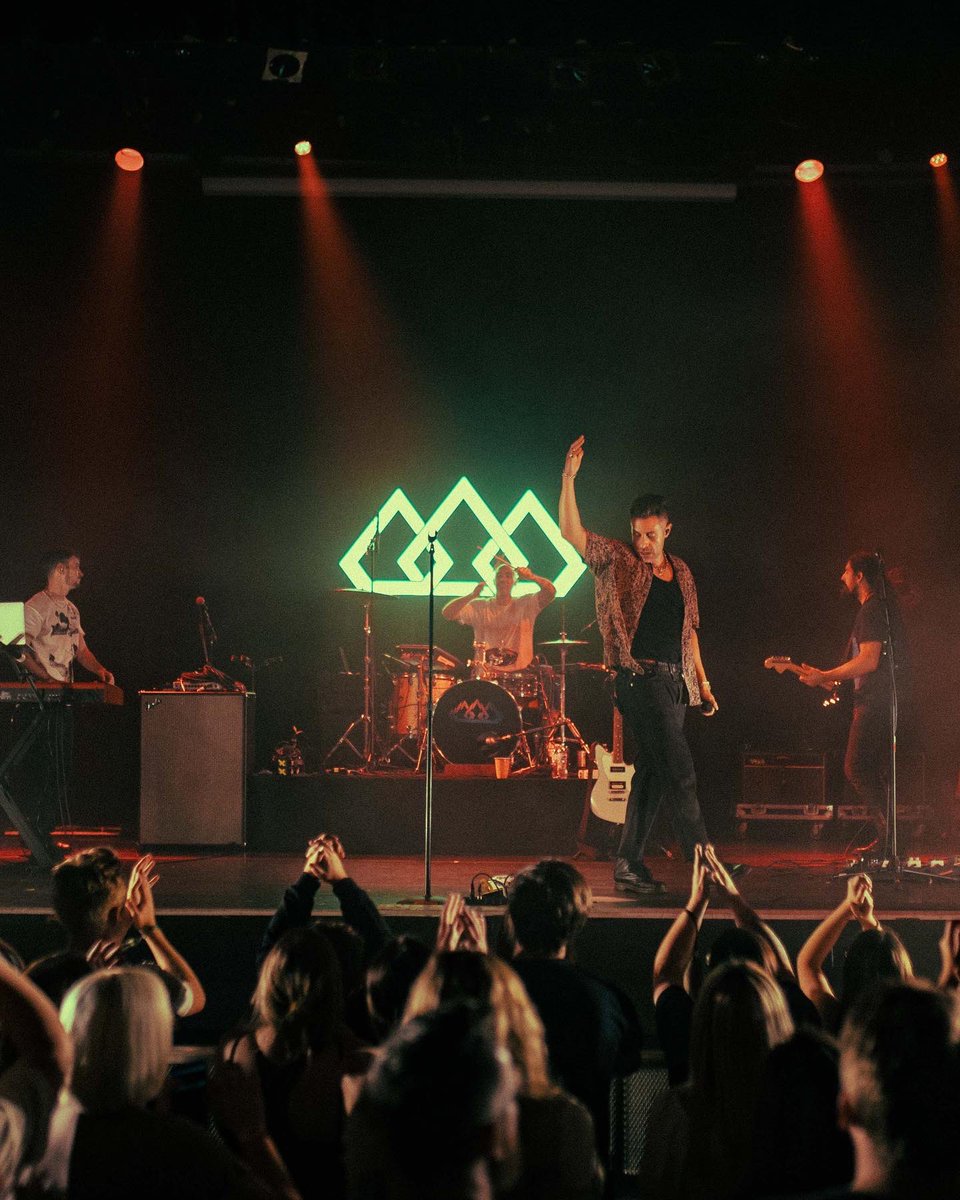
(473,930)
(140,904)
(324,858)
(719,873)
(461,928)
(574,457)
(448,931)
(700,878)
(860,898)
(950,954)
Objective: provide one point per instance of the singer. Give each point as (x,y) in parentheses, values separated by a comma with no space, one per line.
(868,742)
(504,624)
(54,636)
(648,617)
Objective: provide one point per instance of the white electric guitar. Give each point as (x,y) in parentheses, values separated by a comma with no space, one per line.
(608,799)
(779,663)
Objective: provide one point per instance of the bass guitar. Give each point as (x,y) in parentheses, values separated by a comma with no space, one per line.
(780,663)
(608,799)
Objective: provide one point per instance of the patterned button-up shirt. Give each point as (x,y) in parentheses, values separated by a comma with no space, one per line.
(623,581)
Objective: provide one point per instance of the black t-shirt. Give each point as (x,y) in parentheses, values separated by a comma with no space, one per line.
(660,628)
(871,626)
(592,1029)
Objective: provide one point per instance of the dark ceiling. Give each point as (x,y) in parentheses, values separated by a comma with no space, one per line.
(489,87)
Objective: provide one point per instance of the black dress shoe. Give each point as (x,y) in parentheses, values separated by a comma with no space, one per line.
(636,879)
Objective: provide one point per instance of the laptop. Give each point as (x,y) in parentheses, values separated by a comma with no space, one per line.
(12,624)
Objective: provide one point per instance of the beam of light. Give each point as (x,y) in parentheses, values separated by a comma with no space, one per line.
(851,411)
(359,362)
(98,372)
(809,171)
(129,159)
(948,220)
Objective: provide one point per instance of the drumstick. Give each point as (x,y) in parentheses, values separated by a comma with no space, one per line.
(499,558)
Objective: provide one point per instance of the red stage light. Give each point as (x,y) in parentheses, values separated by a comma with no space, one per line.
(302,148)
(128,160)
(938,160)
(809,171)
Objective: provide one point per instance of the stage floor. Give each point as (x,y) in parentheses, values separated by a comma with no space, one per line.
(783,881)
(215,908)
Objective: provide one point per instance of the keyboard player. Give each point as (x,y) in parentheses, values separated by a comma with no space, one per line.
(54,636)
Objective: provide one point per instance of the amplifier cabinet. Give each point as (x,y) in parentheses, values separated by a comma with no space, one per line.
(784,787)
(195,754)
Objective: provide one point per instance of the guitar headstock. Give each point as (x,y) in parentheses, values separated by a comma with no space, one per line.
(778,663)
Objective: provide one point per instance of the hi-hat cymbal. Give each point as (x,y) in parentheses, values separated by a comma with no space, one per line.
(564,641)
(363,592)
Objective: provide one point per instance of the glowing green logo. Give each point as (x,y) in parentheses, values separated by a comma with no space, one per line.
(500,541)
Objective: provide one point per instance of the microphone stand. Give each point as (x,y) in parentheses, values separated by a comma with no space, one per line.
(892,867)
(427,898)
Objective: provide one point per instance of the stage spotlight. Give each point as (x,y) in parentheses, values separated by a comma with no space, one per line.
(302,148)
(128,159)
(284,66)
(938,160)
(809,171)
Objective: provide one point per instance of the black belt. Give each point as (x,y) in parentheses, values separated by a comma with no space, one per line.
(652,667)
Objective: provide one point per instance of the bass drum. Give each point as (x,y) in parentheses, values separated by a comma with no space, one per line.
(467,715)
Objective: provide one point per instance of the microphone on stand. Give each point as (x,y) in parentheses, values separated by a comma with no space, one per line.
(205,617)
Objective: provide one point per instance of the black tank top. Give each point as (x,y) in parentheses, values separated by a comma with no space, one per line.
(660,628)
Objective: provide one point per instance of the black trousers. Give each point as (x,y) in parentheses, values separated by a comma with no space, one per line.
(866,763)
(655,707)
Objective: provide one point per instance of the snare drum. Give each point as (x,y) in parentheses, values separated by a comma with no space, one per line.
(408,700)
(468,716)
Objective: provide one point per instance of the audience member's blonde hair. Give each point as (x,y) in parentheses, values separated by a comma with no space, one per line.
(740,1015)
(467,975)
(122,1026)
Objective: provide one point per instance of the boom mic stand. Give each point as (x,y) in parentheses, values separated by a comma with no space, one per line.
(427,898)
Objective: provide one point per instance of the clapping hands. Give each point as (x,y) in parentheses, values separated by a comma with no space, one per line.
(324,859)
(461,927)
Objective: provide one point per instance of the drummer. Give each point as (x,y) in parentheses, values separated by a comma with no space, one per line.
(504,623)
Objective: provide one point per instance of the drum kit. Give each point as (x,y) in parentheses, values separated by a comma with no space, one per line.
(484,709)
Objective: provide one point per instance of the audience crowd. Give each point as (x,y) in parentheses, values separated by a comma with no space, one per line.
(373,1066)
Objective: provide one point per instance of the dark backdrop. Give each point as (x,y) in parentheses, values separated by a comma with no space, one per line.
(168,412)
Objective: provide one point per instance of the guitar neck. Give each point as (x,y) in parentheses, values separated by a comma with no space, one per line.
(617,735)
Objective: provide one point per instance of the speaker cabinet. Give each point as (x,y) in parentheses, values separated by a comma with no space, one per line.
(784,787)
(195,754)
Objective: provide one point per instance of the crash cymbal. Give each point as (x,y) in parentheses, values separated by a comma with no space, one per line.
(564,641)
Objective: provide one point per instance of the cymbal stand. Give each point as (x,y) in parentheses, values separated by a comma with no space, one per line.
(563,723)
(364,722)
